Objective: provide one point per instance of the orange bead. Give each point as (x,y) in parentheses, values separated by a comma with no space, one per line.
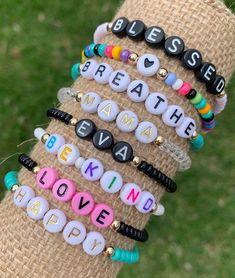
(116,52)
(205,110)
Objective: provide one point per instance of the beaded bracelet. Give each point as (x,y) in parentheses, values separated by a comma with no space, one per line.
(55,221)
(149,65)
(120,81)
(174,46)
(126,121)
(122,151)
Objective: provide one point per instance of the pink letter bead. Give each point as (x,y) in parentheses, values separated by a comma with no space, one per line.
(173,116)
(74,232)
(102,216)
(111,181)
(46,177)
(64,190)
(88,69)
(130,194)
(23,195)
(54,221)
(94,244)
(83,203)
(37,208)
(53,143)
(146,202)
(92,169)
(146,132)
(68,154)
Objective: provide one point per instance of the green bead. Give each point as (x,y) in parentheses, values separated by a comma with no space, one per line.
(197,143)
(75,71)
(101,50)
(10,179)
(197,98)
(201,104)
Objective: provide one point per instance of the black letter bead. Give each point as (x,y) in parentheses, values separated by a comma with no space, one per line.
(192,59)
(154,36)
(119,27)
(174,46)
(135,30)
(122,152)
(206,73)
(85,129)
(217,86)
(192,93)
(103,140)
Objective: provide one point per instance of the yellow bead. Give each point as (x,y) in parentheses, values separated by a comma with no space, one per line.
(116,52)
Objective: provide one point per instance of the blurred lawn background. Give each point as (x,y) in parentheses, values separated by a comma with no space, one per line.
(40,40)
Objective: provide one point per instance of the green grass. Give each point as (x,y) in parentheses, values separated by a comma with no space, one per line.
(39,42)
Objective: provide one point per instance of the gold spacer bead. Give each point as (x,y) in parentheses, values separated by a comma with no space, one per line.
(136,161)
(14,187)
(78,97)
(194,135)
(162,73)
(133,58)
(109,27)
(73,121)
(45,137)
(109,251)
(159,141)
(115,225)
(36,169)
(222,94)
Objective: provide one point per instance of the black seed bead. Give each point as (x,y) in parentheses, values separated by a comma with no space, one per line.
(133,233)
(154,36)
(27,162)
(59,115)
(96,48)
(149,170)
(119,27)
(192,93)
(85,129)
(143,166)
(135,30)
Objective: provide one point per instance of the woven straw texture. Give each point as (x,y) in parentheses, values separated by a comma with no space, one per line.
(26,250)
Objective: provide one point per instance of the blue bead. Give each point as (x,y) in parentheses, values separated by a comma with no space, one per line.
(101,50)
(201,104)
(75,71)
(10,179)
(91,49)
(170,79)
(197,143)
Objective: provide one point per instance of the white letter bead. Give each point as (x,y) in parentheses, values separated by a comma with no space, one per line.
(23,195)
(111,181)
(79,162)
(90,102)
(178,84)
(160,210)
(53,143)
(138,90)
(127,121)
(146,203)
(146,132)
(37,208)
(74,232)
(130,194)
(119,80)
(92,169)
(54,221)
(156,103)
(187,128)
(68,154)
(94,244)
(173,116)
(88,69)
(108,110)
(39,132)
(102,73)
(148,65)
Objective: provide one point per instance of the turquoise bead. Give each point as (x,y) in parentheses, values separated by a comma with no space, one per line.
(208,115)
(201,104)
(101,50)
(75,71)
(10,179)
(197,143)
(126,256)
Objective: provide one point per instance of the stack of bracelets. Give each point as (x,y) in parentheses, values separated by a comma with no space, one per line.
(127,121)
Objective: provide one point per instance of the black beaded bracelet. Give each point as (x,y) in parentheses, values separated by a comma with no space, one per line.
(174,46)
(122,151)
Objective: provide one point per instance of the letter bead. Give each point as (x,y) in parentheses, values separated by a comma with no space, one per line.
(191,59)
(46,177)
(127,121)
(88,69)
(23,195)
(154,36)
(83,203)
(130,194)
(138,90)
(148,65)
(92,169)
(68,154)
(156,103)
(102,216)
(94,244)
(187,128)
(85,129)
(103,140)
(217,86)
(119,27)
(173,116)
(146,203)
(74,232)
(119,80)
(108,110)
(135,30)
(206,73)
(146,132)
(53,143)
(90,102)
(111,181)
(63,190)
(174,46)
(122,152)
(37,208)
(54,221)
(102,73)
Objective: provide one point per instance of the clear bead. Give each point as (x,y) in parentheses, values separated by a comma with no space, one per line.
(66,94)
